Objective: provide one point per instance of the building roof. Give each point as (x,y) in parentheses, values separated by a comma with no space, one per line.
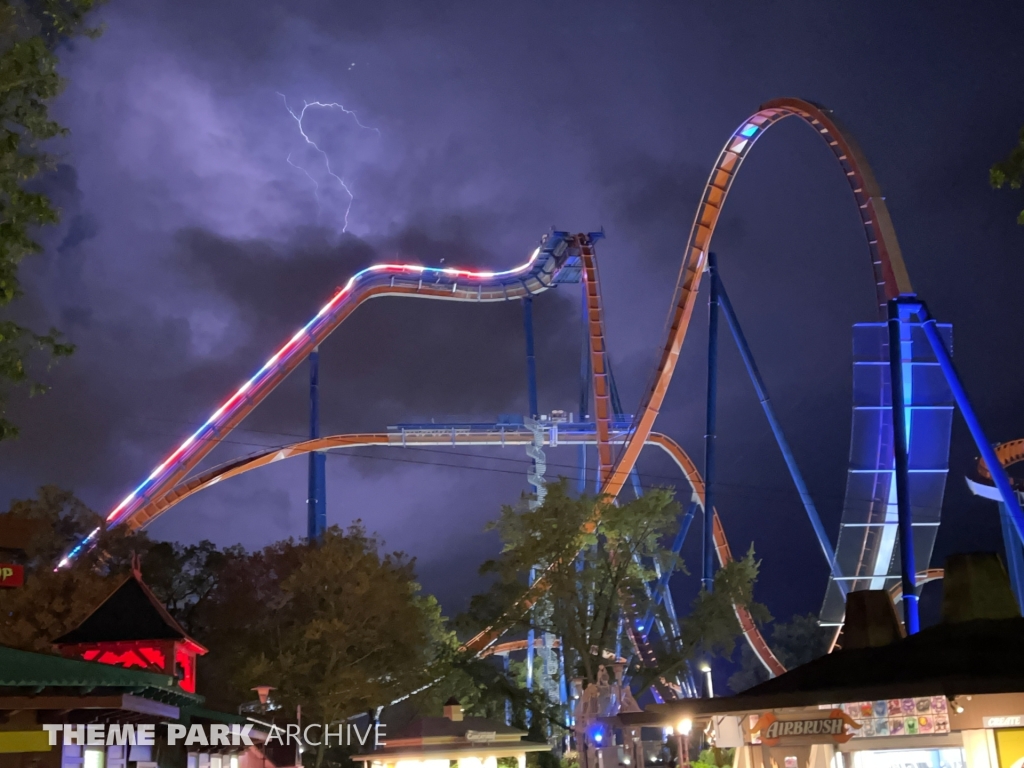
(441,727)
(979,656)
(38,672)
(443,738)
(971,657)
(131,612)
(391,754)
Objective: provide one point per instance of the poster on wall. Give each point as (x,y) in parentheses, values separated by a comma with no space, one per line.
(899,717)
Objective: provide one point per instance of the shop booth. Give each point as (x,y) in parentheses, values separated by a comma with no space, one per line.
(950,696)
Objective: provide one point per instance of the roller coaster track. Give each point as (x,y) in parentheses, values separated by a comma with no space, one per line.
(496,438)
(890,274)
(1008,453)
(536,275)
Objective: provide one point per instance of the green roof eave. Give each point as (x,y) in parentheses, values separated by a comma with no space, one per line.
(38,671)
(190,712)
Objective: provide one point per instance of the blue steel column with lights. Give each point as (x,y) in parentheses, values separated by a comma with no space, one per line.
(908,570)
(316,502)
(708,572)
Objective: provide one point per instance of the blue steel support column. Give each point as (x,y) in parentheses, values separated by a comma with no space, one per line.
(530,636)
(316,501)
(999,477)
(508,702)
(531,384)
(708,571)
(1014,554)
(677,545)
(531,363)
(787,454)
(908,570)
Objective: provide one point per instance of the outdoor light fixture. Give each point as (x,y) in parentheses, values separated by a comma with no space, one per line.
(683,741)
(708,683)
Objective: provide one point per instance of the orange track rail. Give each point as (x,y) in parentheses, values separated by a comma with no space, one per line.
(891,277)
(891,280)
(482,642)
(598,359)
(1009,453)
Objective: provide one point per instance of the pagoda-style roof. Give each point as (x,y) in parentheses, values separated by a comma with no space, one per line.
(131,612)
(38,674)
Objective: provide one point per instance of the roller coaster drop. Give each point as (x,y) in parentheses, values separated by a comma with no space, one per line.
(895,482)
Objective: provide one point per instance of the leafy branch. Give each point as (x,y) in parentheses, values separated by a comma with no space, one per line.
(1010,171)
(30,34)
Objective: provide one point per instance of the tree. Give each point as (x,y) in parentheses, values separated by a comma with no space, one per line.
(184,577)
(30,32)
(347,630)
(53,602)
(1010,171)
(794,642)
(620,548)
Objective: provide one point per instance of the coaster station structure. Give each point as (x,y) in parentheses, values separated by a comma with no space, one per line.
(905,390)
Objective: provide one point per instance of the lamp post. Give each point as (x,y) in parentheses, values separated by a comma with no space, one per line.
(683,741)
(709,686)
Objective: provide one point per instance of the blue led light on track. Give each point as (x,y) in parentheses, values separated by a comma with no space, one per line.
(748,130)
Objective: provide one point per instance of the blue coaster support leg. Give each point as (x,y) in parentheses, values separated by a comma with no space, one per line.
(999,476)
(1014,554)
(708,570)
(531,361)
(908,570)
(661,590)
(787,453)
(316,500)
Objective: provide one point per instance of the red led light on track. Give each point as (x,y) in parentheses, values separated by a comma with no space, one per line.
(181,458)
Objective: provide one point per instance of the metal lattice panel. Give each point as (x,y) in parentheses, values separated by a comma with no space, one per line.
(867,552)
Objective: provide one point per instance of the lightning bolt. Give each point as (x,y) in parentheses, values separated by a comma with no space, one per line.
(298,118)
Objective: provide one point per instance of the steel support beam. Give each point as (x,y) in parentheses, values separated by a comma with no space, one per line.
(708,569)
(787,453)
(999,476)
(531,362)
(316,500)
(1014,554)
(911,618)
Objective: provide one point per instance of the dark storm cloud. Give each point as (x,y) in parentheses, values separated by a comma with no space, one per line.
(461,359)
(190,247)
(466,360)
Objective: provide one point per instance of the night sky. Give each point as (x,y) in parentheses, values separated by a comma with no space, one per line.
(199,230)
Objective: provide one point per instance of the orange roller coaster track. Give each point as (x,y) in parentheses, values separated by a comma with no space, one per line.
(231,469)
(891,279)
(168,481)
(890,273)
